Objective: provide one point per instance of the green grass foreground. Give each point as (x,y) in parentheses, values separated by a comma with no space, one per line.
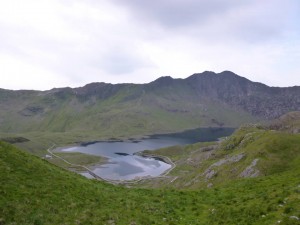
(33,191)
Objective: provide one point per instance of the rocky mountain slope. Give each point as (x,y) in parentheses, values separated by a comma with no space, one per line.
(166,104)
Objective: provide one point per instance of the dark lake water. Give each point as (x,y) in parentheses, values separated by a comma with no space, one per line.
(124,165)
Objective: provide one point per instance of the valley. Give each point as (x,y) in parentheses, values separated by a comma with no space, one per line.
(124,161)
(126,112)
(212,176)
(57,196)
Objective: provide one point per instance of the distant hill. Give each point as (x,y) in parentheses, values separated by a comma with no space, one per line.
(164,105)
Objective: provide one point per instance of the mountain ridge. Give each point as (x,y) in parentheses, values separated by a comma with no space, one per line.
(162,77)
(163,105)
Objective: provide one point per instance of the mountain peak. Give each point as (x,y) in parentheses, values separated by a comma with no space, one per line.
(162,81)
(211,74)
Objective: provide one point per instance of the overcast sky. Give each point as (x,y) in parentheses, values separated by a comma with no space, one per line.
(58,43)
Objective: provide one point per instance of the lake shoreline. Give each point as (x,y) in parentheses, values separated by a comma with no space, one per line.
(126,160)
(139,138)
(100,165)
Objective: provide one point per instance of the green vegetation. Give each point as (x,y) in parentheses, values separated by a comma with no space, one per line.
(14,140)
(46,194)
(33,191)
(114,111)
(39,142)
(77,159)
(251,151)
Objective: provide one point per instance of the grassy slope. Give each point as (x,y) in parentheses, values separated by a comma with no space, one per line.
(127,112)
(32,191)
(276,151)
(77,159)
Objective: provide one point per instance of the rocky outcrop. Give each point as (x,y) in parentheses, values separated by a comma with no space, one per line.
(32,111)
(251,171)
(289,122)
(210,172)
(230,159)
(226,87)
(241,93)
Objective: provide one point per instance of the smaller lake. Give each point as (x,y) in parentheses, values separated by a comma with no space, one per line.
(123,164)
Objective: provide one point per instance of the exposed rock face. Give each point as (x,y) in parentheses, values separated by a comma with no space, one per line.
(251,171)
(231,159)
(288,122)
(99,90)
(256,98)
(226,87)
(31,111)
(210,172)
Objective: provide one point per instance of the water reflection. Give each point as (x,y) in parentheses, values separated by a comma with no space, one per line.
(124,165)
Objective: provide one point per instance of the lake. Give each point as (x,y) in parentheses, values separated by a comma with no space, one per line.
(123,164)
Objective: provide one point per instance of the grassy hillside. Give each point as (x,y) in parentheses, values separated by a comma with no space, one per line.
(32,191)
(164,105)
(252,151)
(117,115)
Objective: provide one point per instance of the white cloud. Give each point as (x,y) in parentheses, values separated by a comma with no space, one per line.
(70,43)
(17,73)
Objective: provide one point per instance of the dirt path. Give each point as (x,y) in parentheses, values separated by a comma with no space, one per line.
(76,165)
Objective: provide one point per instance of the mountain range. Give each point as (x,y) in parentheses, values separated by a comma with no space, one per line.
(251,177)
(164,105)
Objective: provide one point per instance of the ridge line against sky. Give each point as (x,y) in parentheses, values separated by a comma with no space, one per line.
(58,43)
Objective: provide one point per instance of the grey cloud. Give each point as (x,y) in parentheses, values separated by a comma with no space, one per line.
(248,20)
(179,13)
(256,32)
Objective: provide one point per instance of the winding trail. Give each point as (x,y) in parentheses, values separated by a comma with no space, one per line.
(164,175)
